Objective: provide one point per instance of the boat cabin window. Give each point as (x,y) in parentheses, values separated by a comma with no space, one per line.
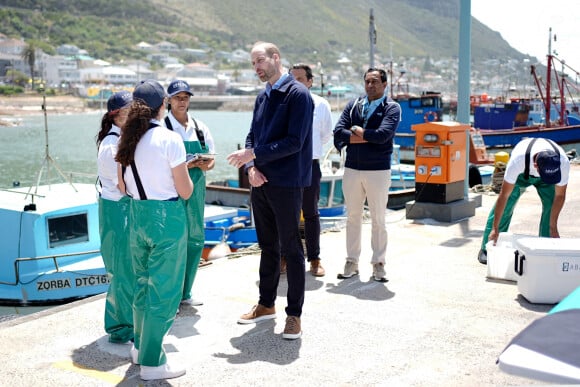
(423,102)
(69,229)
(428,102)
(414,102)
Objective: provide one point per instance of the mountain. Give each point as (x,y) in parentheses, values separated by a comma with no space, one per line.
(305,30)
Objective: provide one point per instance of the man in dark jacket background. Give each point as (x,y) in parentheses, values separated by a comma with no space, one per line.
(278,157)
(366,128)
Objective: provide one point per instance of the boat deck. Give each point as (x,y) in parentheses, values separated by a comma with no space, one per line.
(48,197)
(437,322)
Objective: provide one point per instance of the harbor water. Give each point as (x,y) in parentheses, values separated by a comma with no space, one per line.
(71,144)
(71,139)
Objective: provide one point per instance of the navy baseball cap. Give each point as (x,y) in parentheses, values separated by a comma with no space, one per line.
(548,163)
(150,92)
(177,87)
(119,100)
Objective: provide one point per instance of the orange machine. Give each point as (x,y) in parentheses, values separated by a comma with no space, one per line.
(440,161)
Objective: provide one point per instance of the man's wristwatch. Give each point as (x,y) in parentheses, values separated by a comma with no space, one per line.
(353,129)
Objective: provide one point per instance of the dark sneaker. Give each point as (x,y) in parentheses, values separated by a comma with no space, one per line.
(282,265)
(292,331)
(316,268)
(379,273)
(482,257)
(350,269)
(258,313)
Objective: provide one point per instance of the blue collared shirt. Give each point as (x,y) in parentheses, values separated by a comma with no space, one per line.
(276,85)
(369,108)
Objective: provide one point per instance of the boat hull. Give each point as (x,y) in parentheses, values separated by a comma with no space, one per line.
(59,286)
(503,138)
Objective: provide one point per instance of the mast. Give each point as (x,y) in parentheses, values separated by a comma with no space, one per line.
(548,101)
(372,39)
(48,160)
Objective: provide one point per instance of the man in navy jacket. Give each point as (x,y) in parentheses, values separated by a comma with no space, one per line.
(366,128)
(278,157)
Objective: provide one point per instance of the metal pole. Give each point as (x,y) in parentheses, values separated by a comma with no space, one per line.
(463,90)
(372,39)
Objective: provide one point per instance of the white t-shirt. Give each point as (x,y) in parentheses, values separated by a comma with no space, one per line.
(107,166)
(517,162)
(158,152)
(189,134)
(321,125)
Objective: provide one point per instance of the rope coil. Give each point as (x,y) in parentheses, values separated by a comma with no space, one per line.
(497,177)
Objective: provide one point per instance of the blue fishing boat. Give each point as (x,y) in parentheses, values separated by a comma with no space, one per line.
(50,245)
(505,124)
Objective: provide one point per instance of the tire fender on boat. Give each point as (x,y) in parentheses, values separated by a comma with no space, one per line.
(431,114)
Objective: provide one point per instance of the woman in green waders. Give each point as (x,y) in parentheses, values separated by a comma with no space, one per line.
(154,174)
(198,140)
(113,223)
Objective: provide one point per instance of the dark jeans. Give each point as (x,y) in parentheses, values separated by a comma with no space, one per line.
(311,215)
(277,217)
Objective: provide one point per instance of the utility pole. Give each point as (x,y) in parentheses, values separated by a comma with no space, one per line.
(372,39)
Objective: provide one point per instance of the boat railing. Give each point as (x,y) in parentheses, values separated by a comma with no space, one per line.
(54,259)
(22,192)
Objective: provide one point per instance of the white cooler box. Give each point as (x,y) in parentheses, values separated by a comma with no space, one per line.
(501,257)
(548,269)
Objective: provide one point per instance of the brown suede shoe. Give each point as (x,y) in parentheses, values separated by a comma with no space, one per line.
(282,265)
(258,313)
(316,268)
(292,330)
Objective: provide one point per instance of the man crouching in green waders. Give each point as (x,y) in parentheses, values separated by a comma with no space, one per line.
(534,161)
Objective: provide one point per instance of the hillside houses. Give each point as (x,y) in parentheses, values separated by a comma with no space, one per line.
(72,67)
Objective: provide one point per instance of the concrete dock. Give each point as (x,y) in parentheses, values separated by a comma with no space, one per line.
(437,322)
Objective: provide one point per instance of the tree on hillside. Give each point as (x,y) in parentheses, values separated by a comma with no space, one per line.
(29,56)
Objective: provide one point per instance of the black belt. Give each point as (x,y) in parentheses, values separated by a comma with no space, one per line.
(315,161)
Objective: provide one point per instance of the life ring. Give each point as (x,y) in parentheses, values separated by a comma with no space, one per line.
(431,113)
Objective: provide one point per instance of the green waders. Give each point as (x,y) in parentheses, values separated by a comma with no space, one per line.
(114,232)
(546,193)
(158,246)
(194,208)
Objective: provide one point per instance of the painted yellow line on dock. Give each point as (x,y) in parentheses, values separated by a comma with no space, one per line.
(101,375)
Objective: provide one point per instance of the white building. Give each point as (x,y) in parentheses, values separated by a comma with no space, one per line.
(113,75)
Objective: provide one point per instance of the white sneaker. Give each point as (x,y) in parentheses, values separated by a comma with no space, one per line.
(134,355)
(191,302)
(164,371)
